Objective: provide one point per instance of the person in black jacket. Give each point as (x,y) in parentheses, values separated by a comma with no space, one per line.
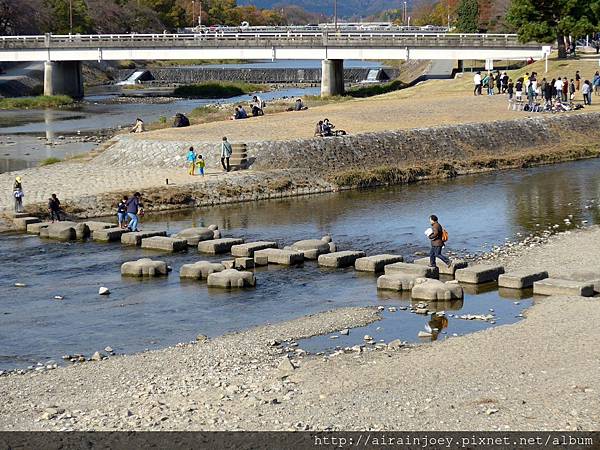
(437,242)
(54,208)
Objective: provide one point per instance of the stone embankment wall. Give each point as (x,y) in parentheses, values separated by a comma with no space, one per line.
(370,150)
(190,75)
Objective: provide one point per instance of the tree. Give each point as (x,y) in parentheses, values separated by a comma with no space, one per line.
(61,11)
(468,16)
(548,21)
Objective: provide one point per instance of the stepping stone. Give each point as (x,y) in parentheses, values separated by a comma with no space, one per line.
(218,246)
(416,270)
(243,263)
(247,250)
(195,235)
(429,289)
(200,270)
(109,234)
(312,248)
(94,226)
(22,222)
(376,263)
(582,275)
(65,231)
(520,279)
(277,256)
(396,282)
(231,278)
(35,228)
(444,268)
(556,286)
(144,267)
(340,259)
(165,244)
(135,238)
(20,215)
(479,273)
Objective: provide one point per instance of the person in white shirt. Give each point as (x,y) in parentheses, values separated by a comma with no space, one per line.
(558,86)
(477,83)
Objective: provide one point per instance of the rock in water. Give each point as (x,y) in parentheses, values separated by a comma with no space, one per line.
(103,291)
(97,356)
(20,285)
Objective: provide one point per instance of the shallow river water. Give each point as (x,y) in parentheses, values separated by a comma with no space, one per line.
(479,211)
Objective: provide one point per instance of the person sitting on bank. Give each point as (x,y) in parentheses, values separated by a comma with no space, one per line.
(54,208)
(257,106)
(319,129)
(239,113)
(181,121)
(299,106)
(138,127)
(328,128)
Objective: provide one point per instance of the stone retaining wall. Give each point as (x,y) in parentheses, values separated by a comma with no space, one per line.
(403,147)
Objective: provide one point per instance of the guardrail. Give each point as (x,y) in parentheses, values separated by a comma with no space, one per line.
(267,39)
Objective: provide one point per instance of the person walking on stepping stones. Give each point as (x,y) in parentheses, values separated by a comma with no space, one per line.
(438,237)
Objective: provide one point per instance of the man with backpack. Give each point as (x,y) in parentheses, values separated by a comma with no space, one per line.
(438,238)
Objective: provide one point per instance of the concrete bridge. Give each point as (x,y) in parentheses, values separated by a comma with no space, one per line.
(63,54)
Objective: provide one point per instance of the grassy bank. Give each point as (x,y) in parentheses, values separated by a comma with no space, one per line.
(43,101)
(376,89)
(217,90)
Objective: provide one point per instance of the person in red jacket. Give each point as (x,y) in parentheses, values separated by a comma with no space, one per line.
(437,242)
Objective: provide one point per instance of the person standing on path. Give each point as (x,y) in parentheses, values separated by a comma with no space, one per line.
(226,151)
(133,208)
(477,83)
(577,80)
(18,195)
(54,208)
(191,160)
(437,242)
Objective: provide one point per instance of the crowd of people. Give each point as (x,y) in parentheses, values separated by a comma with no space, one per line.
(546,94)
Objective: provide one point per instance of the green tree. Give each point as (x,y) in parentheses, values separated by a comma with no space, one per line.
(548,21)
(467,16)
(62,10)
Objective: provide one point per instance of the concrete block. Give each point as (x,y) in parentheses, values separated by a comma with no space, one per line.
(144,267)
(244,263)
(312,248)
(396,282)
(584,275)
(22,222)
(218,246)
(82,231)
(556,286)
(429,289)
(35,228)
(479,273)
(340,259)
(277,256)
(63,231)
(231,278)
(521,279)
(417,270)
(109,234)
(247,250)
(229,264)
(166,244)
(444,268)
(94,226)
(195,235)
(135,238)
(200,270)
(376,263)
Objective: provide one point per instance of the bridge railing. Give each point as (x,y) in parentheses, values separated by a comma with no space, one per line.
(261,40)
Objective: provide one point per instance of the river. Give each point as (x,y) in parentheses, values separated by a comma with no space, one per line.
(479,211)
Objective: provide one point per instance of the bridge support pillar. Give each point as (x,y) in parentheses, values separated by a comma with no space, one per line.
(332,77)
(63,78)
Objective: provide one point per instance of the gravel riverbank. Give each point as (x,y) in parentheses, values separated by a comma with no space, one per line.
(539,374)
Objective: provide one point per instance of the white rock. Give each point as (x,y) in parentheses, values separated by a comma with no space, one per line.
(103,291)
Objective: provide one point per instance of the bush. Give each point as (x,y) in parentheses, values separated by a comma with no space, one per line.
(216,90)
(49,161)
(43,101)
(376,89)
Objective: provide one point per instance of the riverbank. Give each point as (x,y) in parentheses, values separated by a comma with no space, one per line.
(538,374)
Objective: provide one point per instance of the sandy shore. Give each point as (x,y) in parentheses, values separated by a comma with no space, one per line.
(538,374)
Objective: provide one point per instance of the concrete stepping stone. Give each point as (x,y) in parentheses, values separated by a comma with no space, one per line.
(65,231)
(346,258)
(582,275)
(165,244)
(195,235)
(243,263)
(109,234)
(430,289)
(200,270)
(230,279)
(376,263)
(218,246)
(479,273)
(247,250)
(35,228)
(277,256)
(312,248)
(444,268)
(22,222)
(94,226)
(396,282)
(136,237)
(556,286)
(416,270)
(521,279)
(144,267)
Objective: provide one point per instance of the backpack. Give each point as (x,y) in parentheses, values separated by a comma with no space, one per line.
(444,235)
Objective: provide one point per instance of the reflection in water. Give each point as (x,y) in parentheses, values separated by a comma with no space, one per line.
(436,325)
(515,294)
(475,289)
